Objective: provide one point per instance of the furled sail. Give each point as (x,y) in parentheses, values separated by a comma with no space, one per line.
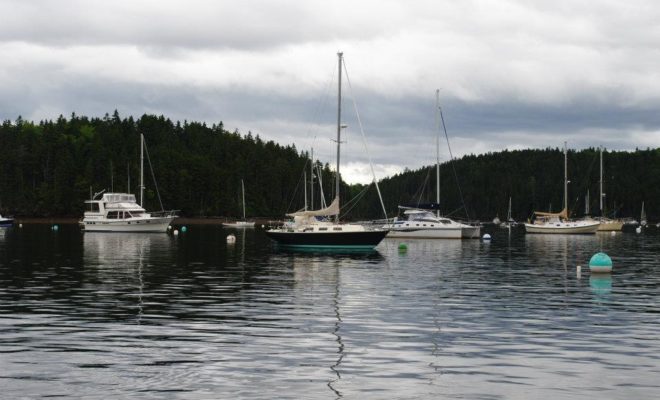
(562,214)
(332,209)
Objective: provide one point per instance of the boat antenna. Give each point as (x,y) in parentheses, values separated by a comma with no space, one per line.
(340,56)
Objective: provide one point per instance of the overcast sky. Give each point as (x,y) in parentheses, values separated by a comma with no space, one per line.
(511,74)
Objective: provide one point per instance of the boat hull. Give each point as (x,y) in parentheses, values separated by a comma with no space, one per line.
(238,224)
(6,222)
(362,240)
(471,232)
(563,228)
(447,233)
(610,226)
(145,225)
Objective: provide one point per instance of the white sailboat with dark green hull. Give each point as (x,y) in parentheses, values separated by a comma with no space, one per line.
(321,229)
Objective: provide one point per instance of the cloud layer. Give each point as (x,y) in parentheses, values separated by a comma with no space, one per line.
(512,74)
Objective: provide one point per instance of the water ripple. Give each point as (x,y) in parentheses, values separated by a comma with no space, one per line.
(152,316)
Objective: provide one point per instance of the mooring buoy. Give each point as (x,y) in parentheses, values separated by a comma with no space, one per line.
(600,263)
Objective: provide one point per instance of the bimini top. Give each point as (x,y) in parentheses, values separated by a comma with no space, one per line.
(118,198)
(118,201)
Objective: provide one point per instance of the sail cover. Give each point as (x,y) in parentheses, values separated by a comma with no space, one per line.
(562,214)
(332,209)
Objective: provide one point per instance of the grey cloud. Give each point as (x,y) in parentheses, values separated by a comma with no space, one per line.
(159,25)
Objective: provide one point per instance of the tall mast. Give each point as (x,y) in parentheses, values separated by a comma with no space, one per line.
(565,178)
(305,187)
(437,149)
(339,65)
(601,182)
(243,192)
(586,203)
(141,169)
(311,182)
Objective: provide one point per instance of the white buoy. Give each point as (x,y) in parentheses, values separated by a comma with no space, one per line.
(486,236)
(638,229)
(169,227)
(176,232)
(263,226)
(20,225)
(613,233)
(578,271)
(231,238)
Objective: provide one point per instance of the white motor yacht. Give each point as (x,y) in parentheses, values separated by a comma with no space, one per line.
(120,212)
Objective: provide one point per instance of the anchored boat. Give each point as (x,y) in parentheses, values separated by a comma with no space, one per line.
(321,229)
(120,212)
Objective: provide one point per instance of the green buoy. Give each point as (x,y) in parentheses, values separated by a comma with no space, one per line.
(183,229)
(403,247)
(600,263)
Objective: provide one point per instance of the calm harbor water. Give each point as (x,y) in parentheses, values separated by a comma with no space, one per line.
(101,315)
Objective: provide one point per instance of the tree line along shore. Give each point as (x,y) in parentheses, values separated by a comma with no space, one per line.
(47,169)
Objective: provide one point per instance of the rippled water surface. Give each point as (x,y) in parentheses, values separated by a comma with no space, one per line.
(101,315)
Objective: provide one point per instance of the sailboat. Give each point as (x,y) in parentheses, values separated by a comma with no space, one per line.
(558,223)
(307,231)
(420,222)
(509,220)
(6,222)
(120,212)
(606,224)
(244,223)
(642,216)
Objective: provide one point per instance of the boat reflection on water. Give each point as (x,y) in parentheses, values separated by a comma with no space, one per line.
(123,249)
(313,274)
(119,261)
(551,244)
(569,250)
(601,285)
